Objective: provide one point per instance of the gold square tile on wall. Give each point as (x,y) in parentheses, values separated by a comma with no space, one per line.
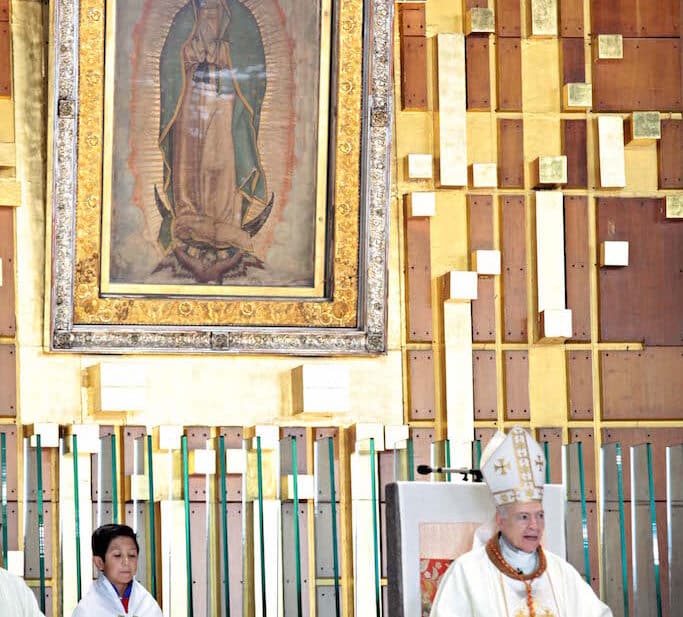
(641,167)
(449,244)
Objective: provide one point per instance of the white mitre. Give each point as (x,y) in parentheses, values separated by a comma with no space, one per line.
(513,466)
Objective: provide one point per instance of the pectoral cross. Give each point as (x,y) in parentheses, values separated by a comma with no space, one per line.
(502,467)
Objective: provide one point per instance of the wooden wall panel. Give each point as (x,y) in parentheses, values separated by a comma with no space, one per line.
(485,391)
(642,385)
(577,265)
(670,155)
(514,269)
(130,434)
(421,385)
(4,10)
(575,148)
(299,432)
(8,381)
(480,219)
(580,384)
(484,436)
(508,18)
(10,432)
(586,437)
(633,18)
(470,4)
(660,438)
(516,369)
(8,325)
(478,72)
(575,554)
(509,74)
(573,61)
(648,77)
(553,436)
(422,449)
(5,60)
(419,275)
(510,153)
(571,18)
(642,301)
(413,57)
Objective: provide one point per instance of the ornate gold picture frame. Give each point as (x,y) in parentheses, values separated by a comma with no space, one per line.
(220,176)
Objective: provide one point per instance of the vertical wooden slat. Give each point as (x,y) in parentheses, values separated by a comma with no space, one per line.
(571,18)
(580,384)
(514,269)
(478,72)
(8,326)
(421,387)
(8,381)
(5,60)
(413,73)
(670,153)
(573,61)
(574,147)
(508,18)
(422,446)
(553,436)
(509,75)
(516,385)
(480,219)
(419,274)
(485,391)
(510,153)
(577,265)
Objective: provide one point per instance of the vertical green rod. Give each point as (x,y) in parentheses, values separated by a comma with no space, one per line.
(41,522)
(259,465)
(297,547)
(546,452)
(335,548)
(114,481)
(375,528)
(77,511)
(622,531)
(3,489)
(584,518)
(447,458)
(152,514)
(477,453)
(224,524)
(411,460)
(188,540)
(653,518)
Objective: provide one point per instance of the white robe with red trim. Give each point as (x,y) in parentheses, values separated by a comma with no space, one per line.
(103,601)
(474,587)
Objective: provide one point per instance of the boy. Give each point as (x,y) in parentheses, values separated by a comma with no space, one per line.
(116,592)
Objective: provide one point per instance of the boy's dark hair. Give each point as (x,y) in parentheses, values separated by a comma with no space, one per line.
(102,537)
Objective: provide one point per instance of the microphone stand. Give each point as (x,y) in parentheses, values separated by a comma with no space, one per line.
(476,474)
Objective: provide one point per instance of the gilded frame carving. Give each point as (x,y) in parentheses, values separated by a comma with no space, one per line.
(350,320)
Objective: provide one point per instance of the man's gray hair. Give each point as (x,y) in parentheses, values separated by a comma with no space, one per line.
(503,510)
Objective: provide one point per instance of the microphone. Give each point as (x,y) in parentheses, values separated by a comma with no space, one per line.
(425,470)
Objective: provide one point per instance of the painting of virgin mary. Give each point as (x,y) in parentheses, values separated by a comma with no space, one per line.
(217,178)
(213,81)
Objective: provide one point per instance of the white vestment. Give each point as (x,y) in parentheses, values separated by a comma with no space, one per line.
(103,601)
(16,599)
(473,587)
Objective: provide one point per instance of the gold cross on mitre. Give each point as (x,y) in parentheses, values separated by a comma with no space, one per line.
(539,462)
(502,467)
